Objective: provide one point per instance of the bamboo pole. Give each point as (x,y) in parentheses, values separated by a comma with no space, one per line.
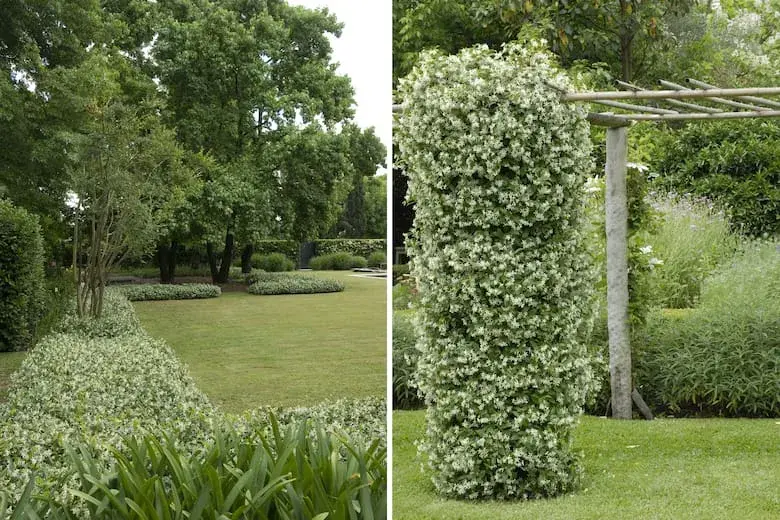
(700,117)
(640,108)
(674,102)
(752,99)
(727,102)
(672,94)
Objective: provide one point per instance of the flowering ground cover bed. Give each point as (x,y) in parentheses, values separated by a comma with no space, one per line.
(664,469)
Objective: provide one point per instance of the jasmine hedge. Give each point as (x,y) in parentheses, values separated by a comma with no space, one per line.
(157,291)
(295,285)
(496,167)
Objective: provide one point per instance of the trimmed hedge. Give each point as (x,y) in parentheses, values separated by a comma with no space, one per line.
(496,166)
(295,285)
(118,319)
(722,357)
(22,286)
(354,246)
(94,391)
(289,248)
(158,291)
(337,262)
(274,262)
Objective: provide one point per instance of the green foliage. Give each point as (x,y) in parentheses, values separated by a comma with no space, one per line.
(289,248)
(720,358)
(733,163)
(363,420)
(295,284)
(337,262)
(157,291)
(376,259)
(72,389)
(405,356)
(405,294)
(118,319)
(355,246)
(58,300)
(496,166)
(287,474)
(691,240)
(21,277)
(399,271)
(273,262)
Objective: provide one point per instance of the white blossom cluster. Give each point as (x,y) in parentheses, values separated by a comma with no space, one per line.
(496,166)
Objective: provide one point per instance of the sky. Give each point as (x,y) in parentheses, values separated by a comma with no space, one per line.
(364,53)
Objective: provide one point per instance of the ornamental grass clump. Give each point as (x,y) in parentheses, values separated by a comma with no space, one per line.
(496,166)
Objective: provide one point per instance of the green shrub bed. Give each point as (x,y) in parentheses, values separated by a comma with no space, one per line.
(376,259)
(273,262)
(22,289)
(187,291)
(722,357)
(340,261)
(295,285)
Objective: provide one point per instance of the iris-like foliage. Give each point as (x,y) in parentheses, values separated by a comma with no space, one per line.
(496,167)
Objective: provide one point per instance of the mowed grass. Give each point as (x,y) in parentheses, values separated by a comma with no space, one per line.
(245,350)
(662,469)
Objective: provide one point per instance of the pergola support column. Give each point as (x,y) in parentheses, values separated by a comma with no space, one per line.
(617,272)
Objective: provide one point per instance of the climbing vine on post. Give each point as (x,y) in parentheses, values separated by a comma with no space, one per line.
(496,167)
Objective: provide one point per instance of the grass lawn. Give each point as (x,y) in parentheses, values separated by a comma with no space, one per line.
(664,469)
(245,350)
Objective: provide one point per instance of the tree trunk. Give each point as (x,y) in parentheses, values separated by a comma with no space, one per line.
(220,273)
(246,258)
(227,258)
(166,258)
(212,257)
(626,41)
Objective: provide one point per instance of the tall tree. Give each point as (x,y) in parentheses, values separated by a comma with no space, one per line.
(237,74)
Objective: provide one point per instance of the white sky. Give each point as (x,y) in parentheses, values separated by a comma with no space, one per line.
(364,53)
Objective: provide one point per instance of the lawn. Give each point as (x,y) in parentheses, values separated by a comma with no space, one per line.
(245,350)
(664,469)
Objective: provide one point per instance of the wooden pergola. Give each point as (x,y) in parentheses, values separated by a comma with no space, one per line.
(721,103)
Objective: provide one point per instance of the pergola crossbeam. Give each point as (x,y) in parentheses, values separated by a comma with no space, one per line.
(727,102)
(700,116)
(752,99)
(640,108)
(674,102)
(672,94)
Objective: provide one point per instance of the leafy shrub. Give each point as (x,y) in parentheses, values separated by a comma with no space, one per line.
(274,262)
(733,162)
(337,262)
(289,248)
(691,240)
(354,246)
(376,259)
(496,167)
(288,473)
(720,358)
(118,319)
(295,285)
(59,298)
(405,355)
(72,389)
(405,294)
(158,291)
(21,277)
(399,270)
